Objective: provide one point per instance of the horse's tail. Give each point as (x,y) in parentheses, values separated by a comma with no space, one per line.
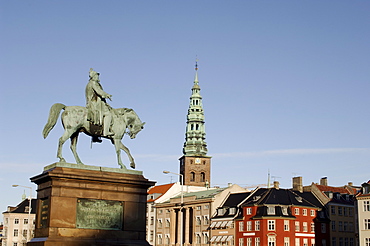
(53,117)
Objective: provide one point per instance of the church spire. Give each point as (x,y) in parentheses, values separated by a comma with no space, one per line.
(195,144)
(195,165)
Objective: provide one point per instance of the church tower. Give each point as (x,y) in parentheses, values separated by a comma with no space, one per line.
(195,165)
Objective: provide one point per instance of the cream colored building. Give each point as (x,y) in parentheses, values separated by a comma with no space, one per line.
(363,215)
(19,224)
(189,223)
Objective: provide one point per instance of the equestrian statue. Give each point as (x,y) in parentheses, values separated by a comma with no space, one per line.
(98,120)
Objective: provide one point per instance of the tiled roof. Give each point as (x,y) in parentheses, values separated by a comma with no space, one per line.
(324,188)
(159,189)
(235,198)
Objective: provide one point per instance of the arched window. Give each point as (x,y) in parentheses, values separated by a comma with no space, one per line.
(202,177)
(192,177)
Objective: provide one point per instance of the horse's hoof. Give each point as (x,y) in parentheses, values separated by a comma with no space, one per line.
(62,160)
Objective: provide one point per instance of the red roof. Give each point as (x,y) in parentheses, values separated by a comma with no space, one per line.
(324,188)
(159,189)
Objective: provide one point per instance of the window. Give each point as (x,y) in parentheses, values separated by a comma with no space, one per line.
(192,177)
(334,241)
(367,241)
(313,242)
(286,241)
(198,239)
(198,220)
(241,226)
(271,225)
(249,211)
(26,209)
(249,225)
(159,223)
(312,227)
(152,220)
(15,233)
(305,226)
(345,211)
(16,221)
(340,210)
(232,211)
(286,225)
(199,207)
(340,225)
(305,242)
(15,244)
(297,242)
(206,206)
(304,212)
(249,241)
(333,226)
(366,206)
(257,225)
(241,241)
(159,239)
(367,224)
(202,177)
(205,237)
(296,211)
(271,241)
(323,228)
(24,233)
(312,212)
(345,226)
(206,220)
(257,241)
(151,236)
(25,221)
(271,210)
(323,242)
(167,239)
(284,210)
(167,222)
(297,226)
(160,211)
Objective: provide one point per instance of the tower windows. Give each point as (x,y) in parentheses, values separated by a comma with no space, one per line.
(192,176)
(202,177)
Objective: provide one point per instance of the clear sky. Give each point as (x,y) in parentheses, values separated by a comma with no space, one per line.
(285,85)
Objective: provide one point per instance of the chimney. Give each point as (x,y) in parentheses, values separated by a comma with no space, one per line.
(276,184)
(297,184)
(350,184)
(324,181)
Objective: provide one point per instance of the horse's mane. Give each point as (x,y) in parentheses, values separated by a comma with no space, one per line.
(122,111)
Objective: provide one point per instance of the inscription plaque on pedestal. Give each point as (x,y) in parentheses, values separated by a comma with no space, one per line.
(99,214)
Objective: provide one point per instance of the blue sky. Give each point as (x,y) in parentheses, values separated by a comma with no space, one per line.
(285,85)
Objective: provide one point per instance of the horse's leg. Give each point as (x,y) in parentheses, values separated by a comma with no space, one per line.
(67,134)
(117,146)
(74,139)
(132,161)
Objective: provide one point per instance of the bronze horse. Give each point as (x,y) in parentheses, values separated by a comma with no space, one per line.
(74,120)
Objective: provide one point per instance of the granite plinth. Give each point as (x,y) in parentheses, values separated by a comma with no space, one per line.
(70,195)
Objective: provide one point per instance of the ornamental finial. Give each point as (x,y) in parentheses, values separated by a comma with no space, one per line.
(196,64)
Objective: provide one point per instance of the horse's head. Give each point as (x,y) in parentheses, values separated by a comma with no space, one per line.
(135,129)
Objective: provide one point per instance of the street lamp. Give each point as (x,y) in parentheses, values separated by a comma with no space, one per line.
(29,210)
(181,201)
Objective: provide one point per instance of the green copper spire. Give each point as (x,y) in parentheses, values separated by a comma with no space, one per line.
(195,144)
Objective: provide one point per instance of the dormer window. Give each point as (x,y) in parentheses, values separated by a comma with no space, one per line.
(232,211)
(299,199)
(271,210)
(284,210)
(256,198)
(221,211)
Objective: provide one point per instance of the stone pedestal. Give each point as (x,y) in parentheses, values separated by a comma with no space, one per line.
(81,205)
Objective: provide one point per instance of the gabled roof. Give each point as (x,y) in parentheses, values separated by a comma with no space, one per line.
(21,207)
(205,193)
(324,188)
(159,189)
(235,198)
(273,196)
